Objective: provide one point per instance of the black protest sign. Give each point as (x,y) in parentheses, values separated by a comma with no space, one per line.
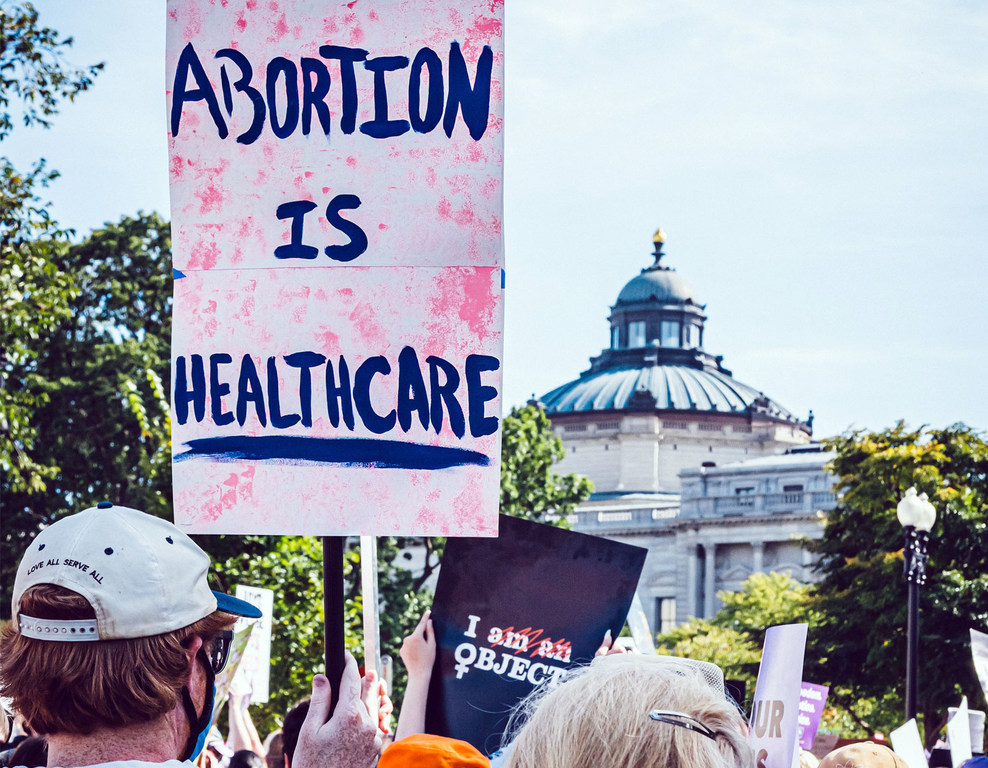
(514,611)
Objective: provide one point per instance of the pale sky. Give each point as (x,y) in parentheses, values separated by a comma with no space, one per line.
(820,171)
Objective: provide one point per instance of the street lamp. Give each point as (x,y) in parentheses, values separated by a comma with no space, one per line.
(916,515)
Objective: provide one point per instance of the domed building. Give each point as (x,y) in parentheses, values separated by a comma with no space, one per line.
(656,415)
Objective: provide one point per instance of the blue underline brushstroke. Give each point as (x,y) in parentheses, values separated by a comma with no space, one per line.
(345,451)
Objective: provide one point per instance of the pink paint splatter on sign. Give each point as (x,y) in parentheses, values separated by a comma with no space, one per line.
(366,326)
(204,255)
(211,199)
(327,340)
(487,28)
(444,208)
(382,226)
(175,171)
(279,30)
(477,302)
(241,22)
(351,161)
(464,216)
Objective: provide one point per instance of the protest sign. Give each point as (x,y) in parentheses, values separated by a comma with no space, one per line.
(641,633)
(513,612)
(979,652)
(254,671)
(959,733)
(908,745)
(336,186)
(774,714)
(812,700)
(229,680)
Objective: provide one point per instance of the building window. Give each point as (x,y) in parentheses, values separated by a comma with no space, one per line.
(670,333)
(615,337)
(692,336)
(792,494)
(636,334)
(665,614)
(745,496)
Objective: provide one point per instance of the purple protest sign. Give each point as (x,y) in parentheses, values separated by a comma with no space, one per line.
(775,711)
(812,700)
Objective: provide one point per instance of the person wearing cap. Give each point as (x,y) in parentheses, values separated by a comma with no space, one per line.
(863,754)
(116,640)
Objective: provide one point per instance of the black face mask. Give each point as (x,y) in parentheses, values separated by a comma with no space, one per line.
(199,724)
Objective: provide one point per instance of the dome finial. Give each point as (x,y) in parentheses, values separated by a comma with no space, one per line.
(658,239)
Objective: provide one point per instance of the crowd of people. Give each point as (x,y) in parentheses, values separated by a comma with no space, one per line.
(116,642)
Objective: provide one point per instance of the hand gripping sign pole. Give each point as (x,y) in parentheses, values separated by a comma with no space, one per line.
(333,604)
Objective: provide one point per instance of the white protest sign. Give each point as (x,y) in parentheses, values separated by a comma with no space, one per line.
(775,710)
(255,667)
(337,205)
(908,745)
(979,652)
(959,733)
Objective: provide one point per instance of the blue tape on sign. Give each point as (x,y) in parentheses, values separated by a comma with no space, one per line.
(176,275)
(347,451)
(502,279)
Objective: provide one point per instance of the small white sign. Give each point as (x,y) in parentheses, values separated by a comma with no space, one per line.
(775,712)
(255,668)
(959,734)
(908,745)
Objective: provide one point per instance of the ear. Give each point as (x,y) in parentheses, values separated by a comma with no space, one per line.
(194,644)
(288,763)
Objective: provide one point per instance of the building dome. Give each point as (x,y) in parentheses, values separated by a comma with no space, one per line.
(662,285)
(656,360)
(663,388)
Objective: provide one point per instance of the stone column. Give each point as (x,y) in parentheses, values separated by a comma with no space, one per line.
(757,556)
(691,585)
(710,578)
(807,565)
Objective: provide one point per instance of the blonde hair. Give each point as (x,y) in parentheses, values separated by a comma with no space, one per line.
(65,687)
(598,718)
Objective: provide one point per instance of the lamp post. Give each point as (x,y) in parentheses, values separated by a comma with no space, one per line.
(916,515)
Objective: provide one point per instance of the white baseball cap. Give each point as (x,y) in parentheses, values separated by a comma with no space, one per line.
(141,575)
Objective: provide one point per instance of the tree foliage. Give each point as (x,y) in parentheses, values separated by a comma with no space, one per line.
(529,486)
(733,640)
(93,387)
(33,69)
(734,637)
(34,291)
(862,596)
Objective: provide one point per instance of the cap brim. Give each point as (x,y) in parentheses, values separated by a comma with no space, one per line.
(236,606)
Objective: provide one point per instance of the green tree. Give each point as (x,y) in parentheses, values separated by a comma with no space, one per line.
(93,388)
(861,598)
(733,640)
(734,637)
(33,68)
(34,292)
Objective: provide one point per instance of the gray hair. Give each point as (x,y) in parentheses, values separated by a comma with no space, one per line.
(597,717)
